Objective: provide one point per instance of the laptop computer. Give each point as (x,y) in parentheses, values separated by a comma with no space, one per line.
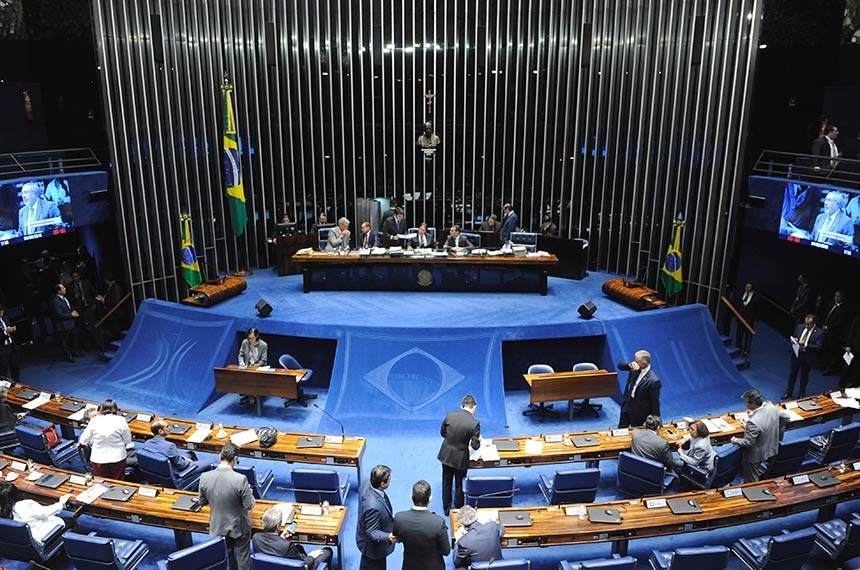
(3,465)
(584,440)
(51,480)
(119,493)
(506,444)
(515,518)
(757,494)
(808,405)
(684,506)
(604,515)
(313,441)
(72,406)
(187,503)
(27,394)
(824,479)
(129,416)
(179,429)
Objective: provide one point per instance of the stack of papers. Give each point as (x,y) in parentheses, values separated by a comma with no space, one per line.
(480,251)
(201,432)
(847,402)
(489,453)
(496,252)
(717,424)
(377,251)
(534,446)
(537,254)
(852,392)
(487,515)
(304,251)
(36,402)
(92,493)
(792,415)
(395,250)
(79,415)
(440,254)
(265,369)
(244,437)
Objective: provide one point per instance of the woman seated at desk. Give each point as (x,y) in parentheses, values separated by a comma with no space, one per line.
(700,453)
(253,353)
(42,519)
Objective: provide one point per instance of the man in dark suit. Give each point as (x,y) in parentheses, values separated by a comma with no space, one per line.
(825,149)
(648,443)
(422,239)
(159,445)
(808,339)
(274,541)
(82,295)
(9,356)
(456,239)
(424,534)
(375,521)
(392,227)
(834,323)
(748,304)
(642,393)
(460,431)
(368,238)
(802,303)
(64,322)
(231,499)
(509,222)
(476,542)
(391,211)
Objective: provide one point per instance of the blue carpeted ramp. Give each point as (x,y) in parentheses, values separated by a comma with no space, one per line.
(167,359)
(688,355)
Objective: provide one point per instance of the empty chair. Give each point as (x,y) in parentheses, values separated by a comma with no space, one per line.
(269,562)
(839,539)
(585,405)
(514,564)
(574,486)
(528,239)
(289,362)
(616,562)
(787,551)
(699,558)
(727,460)
(640,476)
(489,491)
(17,543)
(474,239)
(837,446)
(260,480)
(316,486)
(157,470)
(541,408)
(35,447)
(91,552)
(209,555)
(787,460)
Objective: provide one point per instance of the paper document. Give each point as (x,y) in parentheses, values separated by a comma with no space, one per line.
(77,480)
(35,403)
(200,434)
(377,251)
(487,515)
(847,403)
(79,415)
(848,357)
(534,447)
(712,427)
(34,476)
(406,236)
(91,494)
(852,392)
(304,251)
(489,453)
(793,416)
(795,347)
(244,437)
(495,252)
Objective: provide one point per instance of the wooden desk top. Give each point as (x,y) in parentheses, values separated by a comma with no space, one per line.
(610,445)
(570,385)
(325,258)
(156,511)
(347,453)
(234,369)
(553,527)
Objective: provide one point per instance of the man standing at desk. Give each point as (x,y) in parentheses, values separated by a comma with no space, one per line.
(762,432)
(392,227)
(509,222)
(460,431)
(642,393)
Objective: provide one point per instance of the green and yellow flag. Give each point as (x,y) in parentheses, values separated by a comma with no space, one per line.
(670,275)
(233,166)
(188,255)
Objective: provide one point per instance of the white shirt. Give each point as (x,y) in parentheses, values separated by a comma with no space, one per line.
(642,373)
(107,435)
(42,519)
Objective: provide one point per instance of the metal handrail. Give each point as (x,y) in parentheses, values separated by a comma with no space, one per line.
(53,161)
(782,164)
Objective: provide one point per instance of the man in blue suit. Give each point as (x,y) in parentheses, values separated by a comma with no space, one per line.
(642,393)
(375,521)
(477,542)
(510,222)
(368,238)
(158,444)
(64,323)
(808,338)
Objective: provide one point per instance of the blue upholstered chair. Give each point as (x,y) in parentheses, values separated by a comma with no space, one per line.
(8,440)
(91,552)
(616,562)
(268,562)
(17,543)
(541,408)
(209,555)
(289,362)
(474,239)
(315,486)
(699,558)
(573,486)
(640,476)
(528,239)
(323,235)
(35,447)
(787,460)
(585,405)
(787,551)
(513,564)
(260,480)
(839,539)
(727,460)
(489,492)
(837,446)
(430,232)
(157,470)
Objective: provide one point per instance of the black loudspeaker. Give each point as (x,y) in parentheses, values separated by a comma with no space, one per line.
(586,310)
(157,39)
(263,308)
(585,45)
(271,44)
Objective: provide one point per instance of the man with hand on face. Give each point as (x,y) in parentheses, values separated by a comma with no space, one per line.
(642,393)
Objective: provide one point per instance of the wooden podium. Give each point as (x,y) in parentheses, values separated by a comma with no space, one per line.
(560,386)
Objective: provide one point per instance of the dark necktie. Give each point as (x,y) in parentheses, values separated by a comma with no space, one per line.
(387,502)
(398,226)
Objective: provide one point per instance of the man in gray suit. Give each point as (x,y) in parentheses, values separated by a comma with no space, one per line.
(338,238)
(476,542)
(35,210)
(832,225)
(763,430)
(230,498)
(648,443)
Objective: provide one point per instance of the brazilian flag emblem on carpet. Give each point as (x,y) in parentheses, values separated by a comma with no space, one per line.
(188,255)
(670,275)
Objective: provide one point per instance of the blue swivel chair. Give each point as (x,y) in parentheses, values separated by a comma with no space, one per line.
(91,552)
(727,460)
(616,562)
(157,470)
(541,409)
(837,446)
(260,480)
(315,486)
(528,239)
(474,239)
(35,447)
(8,440)
(289,362)
(839,539)
(268,562)
(700,558)
(585,405)
(17,543)
(574,486)
(489,491)
(787,551)
(323,235)
(640,476)
(430,232)
(209,555)
(514,564)
(787,460)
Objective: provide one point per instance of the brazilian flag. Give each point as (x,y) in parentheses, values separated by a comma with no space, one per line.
(188,255)
(670,275)
(233,166)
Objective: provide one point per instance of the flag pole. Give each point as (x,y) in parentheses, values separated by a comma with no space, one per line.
(233,178)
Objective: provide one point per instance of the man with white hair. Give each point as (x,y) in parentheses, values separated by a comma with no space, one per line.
(642,393)
(833,225)
(476,542)
(338,238)
(35,210)
(274,541)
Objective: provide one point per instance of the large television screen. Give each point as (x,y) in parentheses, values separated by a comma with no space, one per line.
(821,216)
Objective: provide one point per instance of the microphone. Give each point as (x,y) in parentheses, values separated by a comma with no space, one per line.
(293,489)
(494,494)
(342,433)
(490,562)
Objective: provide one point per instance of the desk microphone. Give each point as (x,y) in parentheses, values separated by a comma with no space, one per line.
(490,562)
(342,434)
(493,494)
(293,489)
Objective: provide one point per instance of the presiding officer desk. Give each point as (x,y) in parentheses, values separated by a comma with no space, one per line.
(610,443)
(156,511)
(348,453)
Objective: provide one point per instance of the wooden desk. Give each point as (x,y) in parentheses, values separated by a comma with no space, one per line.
(156,511)
(553,528)
(610,445)
(285,247)
(560,386)
(278,383)
(348,453)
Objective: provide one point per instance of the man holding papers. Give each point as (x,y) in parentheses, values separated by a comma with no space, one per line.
(805,345)
(392,227)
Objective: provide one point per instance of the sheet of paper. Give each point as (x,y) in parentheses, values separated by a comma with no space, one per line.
(406,236)
(847,403)
(852,392)
(304,251)
(200,434)
(795,347)
(35,403)
(244,437)
(487,515)
(79,415)
(534,446)
(712,427)
(91,494)
(834,395)
(77,480)
(489,453)
(34,475)
(848,357)
(792,415)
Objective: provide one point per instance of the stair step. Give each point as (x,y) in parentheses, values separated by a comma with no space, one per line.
(114,345)
(727,340)
(740,362)
(734,352)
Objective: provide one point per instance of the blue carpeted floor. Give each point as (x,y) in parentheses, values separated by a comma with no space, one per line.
(410,448)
